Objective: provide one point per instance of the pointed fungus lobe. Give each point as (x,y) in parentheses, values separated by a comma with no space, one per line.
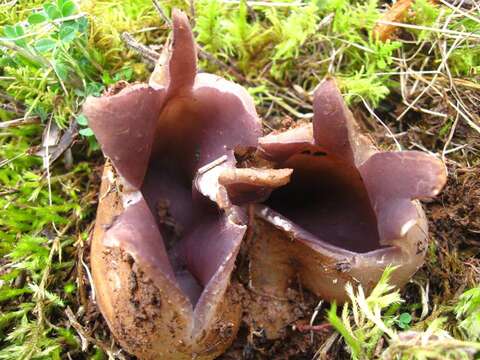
(346,213)
(166,237)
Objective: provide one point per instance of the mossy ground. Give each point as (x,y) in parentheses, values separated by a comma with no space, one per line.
(418,91)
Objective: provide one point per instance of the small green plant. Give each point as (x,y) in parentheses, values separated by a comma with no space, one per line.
(49,64)
(36,256)
(404,321)
(211,28)
(432,344)
(467,310)
(366,319)
(109,19)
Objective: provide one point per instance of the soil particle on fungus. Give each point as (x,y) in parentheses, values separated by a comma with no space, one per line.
(172,228)
(132,283)
(343,266)
(116,88)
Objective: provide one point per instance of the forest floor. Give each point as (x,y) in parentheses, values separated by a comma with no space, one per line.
(418,90)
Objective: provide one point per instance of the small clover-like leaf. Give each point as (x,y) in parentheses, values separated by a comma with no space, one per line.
(61,70)
(107,79)
(43,45)
(68,8)
(36,18)
(404,320)
(87,132)
(82,120)
(9,31)
(52,11)
(67,33)
(19,30)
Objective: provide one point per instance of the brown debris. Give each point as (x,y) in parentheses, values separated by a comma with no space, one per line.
(396,13)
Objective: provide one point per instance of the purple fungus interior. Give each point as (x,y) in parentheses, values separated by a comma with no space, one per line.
(205,117)
(328,198)
(194,131)
(326,195)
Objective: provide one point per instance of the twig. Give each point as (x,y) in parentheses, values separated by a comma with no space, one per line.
(460,11)
(192,12)
(65,141)
(162,13)
(431,83)
(209,57)
(8,161)
(17,104)
(10,108)
(143,50)
(46,162)
(450,136)
(287,107)
(399,147)
(469,121)
(314,316)
(152,55)
(315,328)
(9,192)
(453,33)
(84,334)
(322,353)
(19,122)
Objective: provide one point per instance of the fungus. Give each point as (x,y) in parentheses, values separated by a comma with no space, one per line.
(166,235)
(329,209)
(347,211)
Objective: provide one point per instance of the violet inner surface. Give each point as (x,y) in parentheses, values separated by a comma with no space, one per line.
(327,198)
